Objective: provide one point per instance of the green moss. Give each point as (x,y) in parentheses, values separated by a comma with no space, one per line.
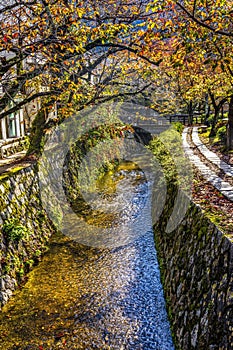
(220,219)
(210,305)
(29,263)
(14,231)
(11,172)
(37,253)
(202,232)
(6,268)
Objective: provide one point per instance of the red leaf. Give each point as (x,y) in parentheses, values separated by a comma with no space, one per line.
(59,335)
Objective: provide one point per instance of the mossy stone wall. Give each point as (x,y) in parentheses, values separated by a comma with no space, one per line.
(24,228)
(196,263)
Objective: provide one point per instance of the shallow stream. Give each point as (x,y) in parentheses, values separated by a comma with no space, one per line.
(81,297)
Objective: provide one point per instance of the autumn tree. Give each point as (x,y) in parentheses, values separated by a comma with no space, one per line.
(73,53)
(76,53)
(199,39)
(215,20)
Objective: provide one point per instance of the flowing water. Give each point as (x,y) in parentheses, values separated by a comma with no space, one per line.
(86,297)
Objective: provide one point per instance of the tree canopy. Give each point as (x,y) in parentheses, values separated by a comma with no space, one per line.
(76,53)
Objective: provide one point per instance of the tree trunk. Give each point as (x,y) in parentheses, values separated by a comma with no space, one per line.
(37,134)
(222,112)
(215,120)
(217,109)
(206,110)
(230,126)
(207,115)
(190,113)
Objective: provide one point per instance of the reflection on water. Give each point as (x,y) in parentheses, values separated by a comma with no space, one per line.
(116,211)
(82,297)
(118,197)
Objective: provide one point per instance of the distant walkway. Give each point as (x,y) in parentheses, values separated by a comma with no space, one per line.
(12,154)
(223,186)
(14,161)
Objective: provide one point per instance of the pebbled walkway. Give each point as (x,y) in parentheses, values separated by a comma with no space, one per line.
(223,186)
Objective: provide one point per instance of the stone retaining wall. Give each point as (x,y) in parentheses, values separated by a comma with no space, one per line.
(24,228)
(196,262)
(196,266)
(12,146)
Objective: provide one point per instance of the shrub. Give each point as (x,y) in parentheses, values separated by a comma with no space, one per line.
(221,133)
(178,127)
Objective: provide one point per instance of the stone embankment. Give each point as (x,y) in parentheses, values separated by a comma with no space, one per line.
(197,266)
(24,227)
(196,261)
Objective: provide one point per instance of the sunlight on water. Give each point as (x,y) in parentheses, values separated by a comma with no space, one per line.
(81,297)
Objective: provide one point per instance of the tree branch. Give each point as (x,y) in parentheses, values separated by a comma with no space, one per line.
(202,24)
(24,102)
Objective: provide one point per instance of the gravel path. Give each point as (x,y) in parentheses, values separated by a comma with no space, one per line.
(223,186)
(211,156)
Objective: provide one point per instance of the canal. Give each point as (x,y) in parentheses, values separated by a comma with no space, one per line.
(86,297)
